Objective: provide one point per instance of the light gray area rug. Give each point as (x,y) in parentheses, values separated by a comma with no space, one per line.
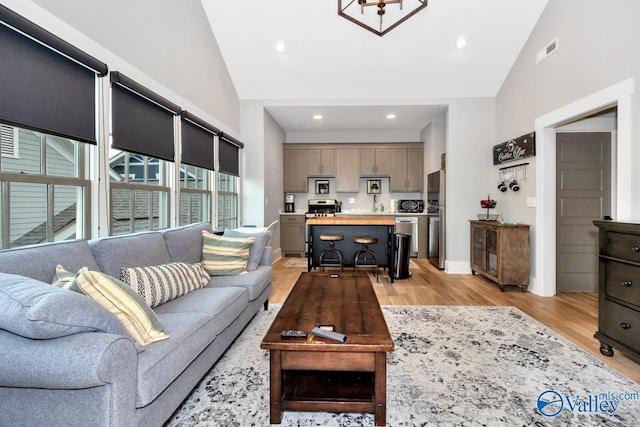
(453,366)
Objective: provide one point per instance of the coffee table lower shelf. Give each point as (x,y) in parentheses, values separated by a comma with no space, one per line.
(328,391)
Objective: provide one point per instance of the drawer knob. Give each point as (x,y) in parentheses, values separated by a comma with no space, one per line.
(625,325)
(636,248)
(627,283)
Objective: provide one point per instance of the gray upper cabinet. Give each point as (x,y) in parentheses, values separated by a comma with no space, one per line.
(321,162)
(401,162)
(406,170)
(374,162)
(295,171)
(347,176)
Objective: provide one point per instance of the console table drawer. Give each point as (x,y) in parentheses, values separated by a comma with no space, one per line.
(623,246)
(623,282)
(621,324)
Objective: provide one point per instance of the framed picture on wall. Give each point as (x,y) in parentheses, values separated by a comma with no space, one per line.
(322,186)
(374,186)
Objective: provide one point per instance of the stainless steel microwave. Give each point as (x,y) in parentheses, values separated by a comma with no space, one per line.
(413,206)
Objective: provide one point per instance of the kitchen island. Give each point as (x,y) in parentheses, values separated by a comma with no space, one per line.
(380,227)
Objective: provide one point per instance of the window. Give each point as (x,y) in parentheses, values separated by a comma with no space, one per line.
(139,195)
(44,194)
(8,141)
(227,201)
(195,195)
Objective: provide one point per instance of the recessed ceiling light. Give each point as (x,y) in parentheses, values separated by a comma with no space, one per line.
(280,47)
(317,117)
(391,116)
(461,42)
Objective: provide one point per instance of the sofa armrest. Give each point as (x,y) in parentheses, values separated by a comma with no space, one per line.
(267,256)
(77,361)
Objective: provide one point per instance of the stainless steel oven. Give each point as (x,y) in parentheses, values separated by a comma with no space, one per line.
(318,208)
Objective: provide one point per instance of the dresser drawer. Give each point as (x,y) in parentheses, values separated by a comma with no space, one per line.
(622,281)
(620,323)
(623,246)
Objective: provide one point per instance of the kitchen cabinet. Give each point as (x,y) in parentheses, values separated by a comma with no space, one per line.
(347,174)
(619,288)
(500,252)
(295,171)
(321,162)
(292,235)
(406,170)
(374,162)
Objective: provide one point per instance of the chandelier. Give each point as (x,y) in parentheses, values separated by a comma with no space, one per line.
(390,13)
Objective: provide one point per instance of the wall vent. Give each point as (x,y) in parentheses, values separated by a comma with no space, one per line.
(547,50)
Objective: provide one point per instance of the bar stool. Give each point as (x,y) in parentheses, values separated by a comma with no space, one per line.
(336,258)
(365,256)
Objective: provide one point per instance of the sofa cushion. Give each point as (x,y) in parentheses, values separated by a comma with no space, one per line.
(163,361)
(129,307)
(39,261)
(37,310)
(255,282)
(131,250)
(256,249)
(223,304)
(185,243)
(223,256)
(161,283)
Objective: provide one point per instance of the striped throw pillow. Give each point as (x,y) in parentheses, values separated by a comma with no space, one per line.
(161,283)
(225,256)
(129,307)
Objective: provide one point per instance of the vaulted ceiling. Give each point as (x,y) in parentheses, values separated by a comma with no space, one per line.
(326,57)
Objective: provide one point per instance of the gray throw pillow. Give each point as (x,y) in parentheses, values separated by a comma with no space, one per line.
(37,310)
(255,250)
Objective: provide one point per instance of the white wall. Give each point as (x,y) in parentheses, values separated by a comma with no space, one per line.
(596,61)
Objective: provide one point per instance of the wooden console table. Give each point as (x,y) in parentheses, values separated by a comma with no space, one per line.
(500,252)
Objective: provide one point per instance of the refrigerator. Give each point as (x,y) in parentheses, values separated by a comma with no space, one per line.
(436,209)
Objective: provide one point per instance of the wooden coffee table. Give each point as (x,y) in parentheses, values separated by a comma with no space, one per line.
(319,374)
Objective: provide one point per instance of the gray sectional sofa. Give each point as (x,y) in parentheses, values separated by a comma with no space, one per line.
(101,377)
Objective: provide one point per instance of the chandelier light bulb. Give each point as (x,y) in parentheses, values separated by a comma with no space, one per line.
(461,42)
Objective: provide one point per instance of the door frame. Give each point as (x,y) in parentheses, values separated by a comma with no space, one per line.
(620,95)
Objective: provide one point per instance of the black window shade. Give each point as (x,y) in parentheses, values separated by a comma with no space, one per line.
(141,120)
(229,152)
(46,84)
(197,141)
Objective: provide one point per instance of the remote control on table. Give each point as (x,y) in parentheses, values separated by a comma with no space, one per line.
(292,333)
(329,334)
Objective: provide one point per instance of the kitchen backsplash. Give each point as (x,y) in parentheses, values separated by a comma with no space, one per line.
(363,202)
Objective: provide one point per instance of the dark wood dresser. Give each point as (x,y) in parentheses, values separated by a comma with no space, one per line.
(619,288)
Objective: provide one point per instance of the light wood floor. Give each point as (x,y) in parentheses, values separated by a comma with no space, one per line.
(572,315)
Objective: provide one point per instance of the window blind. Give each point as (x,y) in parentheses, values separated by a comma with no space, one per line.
(47,84)
(229,153)
(197,141)
(141,120)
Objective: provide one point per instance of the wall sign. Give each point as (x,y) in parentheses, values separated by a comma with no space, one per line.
(515,149)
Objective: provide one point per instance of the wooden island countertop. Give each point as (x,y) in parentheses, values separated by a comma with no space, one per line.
(352,220)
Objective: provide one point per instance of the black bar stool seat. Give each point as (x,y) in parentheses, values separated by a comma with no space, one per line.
(331,257)
(365,257)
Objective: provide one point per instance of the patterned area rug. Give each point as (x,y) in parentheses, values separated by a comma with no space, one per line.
(454,366)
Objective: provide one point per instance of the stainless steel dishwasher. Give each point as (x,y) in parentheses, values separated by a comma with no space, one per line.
(409,225)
